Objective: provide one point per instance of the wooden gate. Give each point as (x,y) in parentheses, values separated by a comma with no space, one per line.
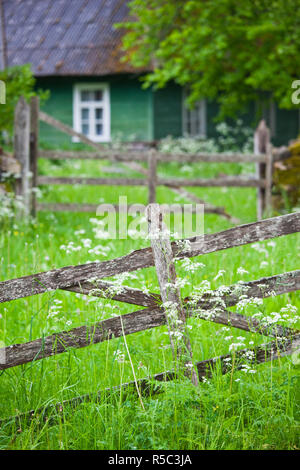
(27,152)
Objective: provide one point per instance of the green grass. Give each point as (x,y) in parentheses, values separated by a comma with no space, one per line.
(259,411)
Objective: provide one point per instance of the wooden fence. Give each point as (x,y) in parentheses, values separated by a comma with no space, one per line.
(161,254)
(27,152)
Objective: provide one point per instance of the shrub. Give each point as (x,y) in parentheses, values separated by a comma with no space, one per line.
(19,81)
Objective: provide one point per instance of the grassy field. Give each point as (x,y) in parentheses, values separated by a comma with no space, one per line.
(258,409)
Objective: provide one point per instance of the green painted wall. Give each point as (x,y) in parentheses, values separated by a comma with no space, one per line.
(144,115)
(287,126)
(59,105)
(167,112)
(131,107)
(212,110)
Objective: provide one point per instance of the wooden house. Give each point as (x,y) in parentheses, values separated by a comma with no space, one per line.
(75,51)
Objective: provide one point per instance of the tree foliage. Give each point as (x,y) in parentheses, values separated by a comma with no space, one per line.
(19,81)
(229,50)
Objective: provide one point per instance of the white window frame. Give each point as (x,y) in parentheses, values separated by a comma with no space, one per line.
(78,104)
(202,117)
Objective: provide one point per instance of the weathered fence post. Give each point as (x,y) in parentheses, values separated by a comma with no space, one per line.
(34,143)
(269,178)
(21,150)
(261,146)
(170,293)
(152,177)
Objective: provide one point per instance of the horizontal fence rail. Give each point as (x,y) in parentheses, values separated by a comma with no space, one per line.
(87,279)
(151,385)
(134,155)
(73,275)
(213,182)
(27,153)
(213,306)
(173,208)
(153,317)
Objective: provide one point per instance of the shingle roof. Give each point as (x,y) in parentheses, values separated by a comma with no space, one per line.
(65,37)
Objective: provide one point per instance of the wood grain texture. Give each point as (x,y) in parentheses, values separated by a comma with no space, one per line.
(224,181)
(261,143)
(109,290)
(229,181)
(44,117)
(269,179)
(74,207)
(142,156)
(34,142)
(21,151)
(153,317)
(261,288)
(67,207)
(170,293)
(152,177)
(80,337)
(42,180)
(73,275)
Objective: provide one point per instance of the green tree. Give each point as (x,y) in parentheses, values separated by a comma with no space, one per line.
(229,50)
(18,81)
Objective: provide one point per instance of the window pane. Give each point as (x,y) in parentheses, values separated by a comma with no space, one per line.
(99,129)
(86,95)
(85,129)
(98,95)
(98,113)
(85,113)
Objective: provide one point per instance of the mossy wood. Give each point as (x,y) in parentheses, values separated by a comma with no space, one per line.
(286,176)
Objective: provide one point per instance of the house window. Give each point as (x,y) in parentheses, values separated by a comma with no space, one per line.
(194,120)
(91,111)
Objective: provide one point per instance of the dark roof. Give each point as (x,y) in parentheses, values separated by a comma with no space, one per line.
(65,37)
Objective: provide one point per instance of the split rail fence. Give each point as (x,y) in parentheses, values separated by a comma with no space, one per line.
(27,151)
(162,253)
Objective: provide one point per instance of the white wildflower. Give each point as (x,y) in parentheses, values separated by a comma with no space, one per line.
(242,271)
(220,274)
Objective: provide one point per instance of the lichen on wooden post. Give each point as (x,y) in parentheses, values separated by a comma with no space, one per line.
(152,177)
(269,178)
(170,293)
(286,176)
(261,142)
(21,150)
(34,142)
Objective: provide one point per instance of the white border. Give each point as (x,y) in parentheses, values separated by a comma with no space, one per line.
(77,88)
